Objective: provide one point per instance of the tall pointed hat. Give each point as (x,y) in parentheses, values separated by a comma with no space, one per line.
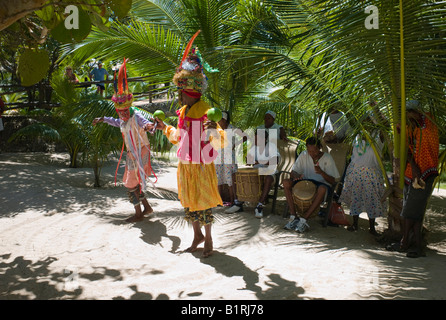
(122,98)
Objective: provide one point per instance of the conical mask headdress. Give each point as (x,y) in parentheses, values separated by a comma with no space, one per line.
(189,75)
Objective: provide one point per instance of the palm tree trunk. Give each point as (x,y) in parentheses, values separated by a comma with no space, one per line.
(395,205)
(402,146)
(395,199)
(97,171)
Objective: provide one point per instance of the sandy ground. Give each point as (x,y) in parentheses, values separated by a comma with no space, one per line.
(61,238)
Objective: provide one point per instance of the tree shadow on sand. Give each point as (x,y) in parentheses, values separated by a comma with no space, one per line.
(230,266)
(42,182)
(153,233)
(24,279)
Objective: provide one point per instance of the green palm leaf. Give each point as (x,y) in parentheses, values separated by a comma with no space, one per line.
(154,50)
(37,130)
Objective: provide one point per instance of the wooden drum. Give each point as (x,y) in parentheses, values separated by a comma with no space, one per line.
(304,193)
(249,184)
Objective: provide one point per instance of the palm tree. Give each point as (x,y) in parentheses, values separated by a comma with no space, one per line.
(100,140)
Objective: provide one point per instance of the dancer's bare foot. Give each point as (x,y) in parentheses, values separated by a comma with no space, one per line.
(208,249)
(197,241)
(135,218)
(147,210)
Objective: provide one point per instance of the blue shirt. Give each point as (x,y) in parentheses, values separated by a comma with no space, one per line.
(99,74)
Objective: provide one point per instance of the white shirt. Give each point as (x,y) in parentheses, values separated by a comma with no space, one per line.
(363,154)
(273,131)
(263,156)
(305,165)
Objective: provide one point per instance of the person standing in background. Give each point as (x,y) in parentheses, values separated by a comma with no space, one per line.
(419,177)
(99,74)
(364,184)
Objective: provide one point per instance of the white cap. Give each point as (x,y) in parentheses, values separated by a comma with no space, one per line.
(271,113)
(412,105)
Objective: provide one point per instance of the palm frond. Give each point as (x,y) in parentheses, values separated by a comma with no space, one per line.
(154,50)
(35,130)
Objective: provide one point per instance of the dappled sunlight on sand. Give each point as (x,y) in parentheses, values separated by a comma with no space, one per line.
(64,239)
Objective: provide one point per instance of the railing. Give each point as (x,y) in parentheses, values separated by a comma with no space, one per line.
(44,93)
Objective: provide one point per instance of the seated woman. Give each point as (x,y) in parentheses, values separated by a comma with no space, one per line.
(316,166)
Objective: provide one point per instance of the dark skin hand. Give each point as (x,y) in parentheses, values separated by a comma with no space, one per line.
(316,154)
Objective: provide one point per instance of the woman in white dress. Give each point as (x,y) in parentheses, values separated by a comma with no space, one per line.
(364,184)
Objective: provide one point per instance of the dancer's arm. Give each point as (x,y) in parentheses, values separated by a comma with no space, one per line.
(108,120)
(143,122)
(169,131)
(218,139)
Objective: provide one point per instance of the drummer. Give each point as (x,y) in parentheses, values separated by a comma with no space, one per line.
(270,125)
(316,166)
(265,156)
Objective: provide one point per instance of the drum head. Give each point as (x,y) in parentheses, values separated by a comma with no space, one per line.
(304,190)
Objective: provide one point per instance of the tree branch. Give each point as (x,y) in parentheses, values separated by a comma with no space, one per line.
(11,11)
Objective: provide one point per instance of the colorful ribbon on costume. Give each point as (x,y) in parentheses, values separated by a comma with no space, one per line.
(136,152)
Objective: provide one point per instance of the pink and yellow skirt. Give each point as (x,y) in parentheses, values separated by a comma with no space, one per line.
(197,186)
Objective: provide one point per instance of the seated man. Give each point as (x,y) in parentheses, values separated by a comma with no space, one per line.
(270,125)
(265,156)
(316,166)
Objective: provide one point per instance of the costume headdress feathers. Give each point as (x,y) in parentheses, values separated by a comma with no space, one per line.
(189,75)
(122,98)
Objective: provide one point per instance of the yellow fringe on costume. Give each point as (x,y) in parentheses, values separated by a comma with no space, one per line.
(197,186)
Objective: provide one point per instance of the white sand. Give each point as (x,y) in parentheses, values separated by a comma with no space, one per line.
(61,238)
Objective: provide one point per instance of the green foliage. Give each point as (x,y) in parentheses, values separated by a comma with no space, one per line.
(100,140)
(120,7)
(50,21)
(33,66)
